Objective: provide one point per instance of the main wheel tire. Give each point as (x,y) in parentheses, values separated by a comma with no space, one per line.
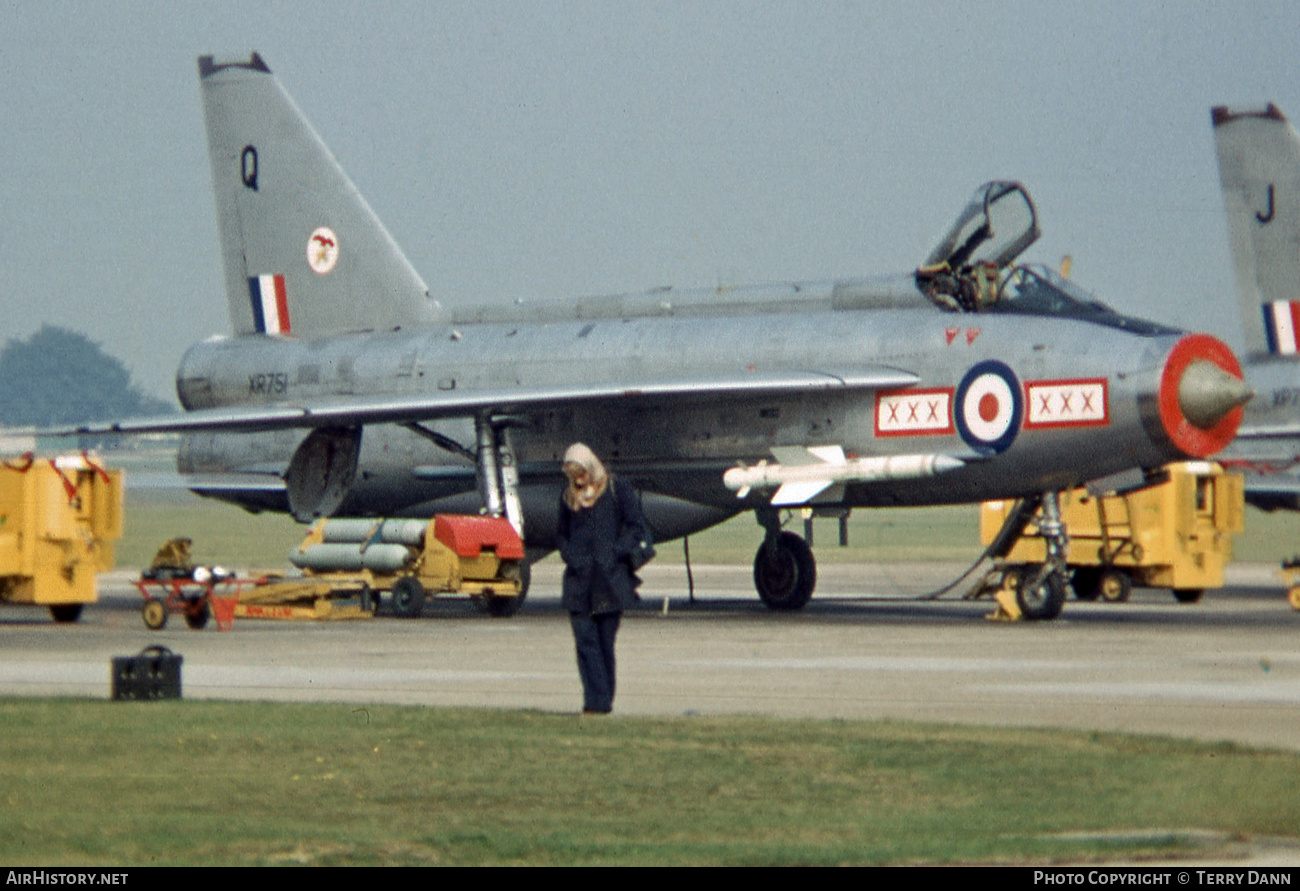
(786,573)
(1085,582)
(1114,586)
(1042,599)
(197,615)
(154,613)
(66,612)
(408,597)
(1189,595)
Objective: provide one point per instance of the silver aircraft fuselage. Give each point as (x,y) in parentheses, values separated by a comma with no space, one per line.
(1087,400)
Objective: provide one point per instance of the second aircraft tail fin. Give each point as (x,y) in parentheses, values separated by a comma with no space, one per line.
(1259,165)
(303,252)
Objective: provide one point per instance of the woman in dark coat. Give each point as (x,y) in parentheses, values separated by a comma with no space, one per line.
(601,531)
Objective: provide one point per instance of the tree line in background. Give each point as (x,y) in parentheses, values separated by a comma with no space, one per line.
(58,377)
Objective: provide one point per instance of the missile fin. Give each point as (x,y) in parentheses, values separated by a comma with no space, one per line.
(800,492)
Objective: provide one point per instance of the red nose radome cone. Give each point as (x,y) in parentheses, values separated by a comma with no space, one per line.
(1201,394)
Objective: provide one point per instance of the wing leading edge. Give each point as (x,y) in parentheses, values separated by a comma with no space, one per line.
(351,412)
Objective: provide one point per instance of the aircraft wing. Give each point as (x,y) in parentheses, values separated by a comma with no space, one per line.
(356,411)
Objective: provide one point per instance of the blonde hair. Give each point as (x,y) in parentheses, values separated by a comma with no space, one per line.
(579,497)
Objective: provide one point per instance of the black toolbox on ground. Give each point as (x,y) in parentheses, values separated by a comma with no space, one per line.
(153,674)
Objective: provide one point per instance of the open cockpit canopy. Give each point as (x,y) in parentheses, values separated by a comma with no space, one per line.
(972,268)
(995,227)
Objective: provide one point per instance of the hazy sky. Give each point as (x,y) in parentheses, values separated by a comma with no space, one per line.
(538,150)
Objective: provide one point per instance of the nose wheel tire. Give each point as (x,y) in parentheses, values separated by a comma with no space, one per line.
(785,573)
(1040,596)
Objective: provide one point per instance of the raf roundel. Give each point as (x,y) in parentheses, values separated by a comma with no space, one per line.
(322,250)
(989,407)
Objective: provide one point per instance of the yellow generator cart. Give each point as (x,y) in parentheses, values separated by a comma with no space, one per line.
(1174,534)
(59,519)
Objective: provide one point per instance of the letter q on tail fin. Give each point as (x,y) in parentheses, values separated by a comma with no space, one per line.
(1259,166)
(303,253)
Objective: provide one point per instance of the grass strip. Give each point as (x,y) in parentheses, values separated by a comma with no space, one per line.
(194,783)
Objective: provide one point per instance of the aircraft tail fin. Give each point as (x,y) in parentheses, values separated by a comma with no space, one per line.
(303,253)
(1259,166)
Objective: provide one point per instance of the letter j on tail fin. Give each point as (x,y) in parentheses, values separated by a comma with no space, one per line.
(1259,166)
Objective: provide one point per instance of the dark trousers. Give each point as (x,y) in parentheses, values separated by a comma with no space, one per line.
(594,638)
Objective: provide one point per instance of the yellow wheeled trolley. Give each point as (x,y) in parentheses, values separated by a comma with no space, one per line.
(344,566)
(59,519)
(1176,533)
(482,557)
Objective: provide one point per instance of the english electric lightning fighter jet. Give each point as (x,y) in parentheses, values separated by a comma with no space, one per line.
(1259,166)
(347,390)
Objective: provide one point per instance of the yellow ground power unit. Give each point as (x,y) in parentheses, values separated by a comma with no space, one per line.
(59,519)
(1176,534)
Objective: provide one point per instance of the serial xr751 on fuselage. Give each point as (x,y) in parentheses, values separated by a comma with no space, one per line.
(347,390)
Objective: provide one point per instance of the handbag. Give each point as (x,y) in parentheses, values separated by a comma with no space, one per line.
(643,551)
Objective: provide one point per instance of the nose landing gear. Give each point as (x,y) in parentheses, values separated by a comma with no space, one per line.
(1039,588)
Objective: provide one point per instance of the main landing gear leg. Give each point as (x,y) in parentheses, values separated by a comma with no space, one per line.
(498,484)
(509,471)
(785,571)
(498,472)
(1041,593)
